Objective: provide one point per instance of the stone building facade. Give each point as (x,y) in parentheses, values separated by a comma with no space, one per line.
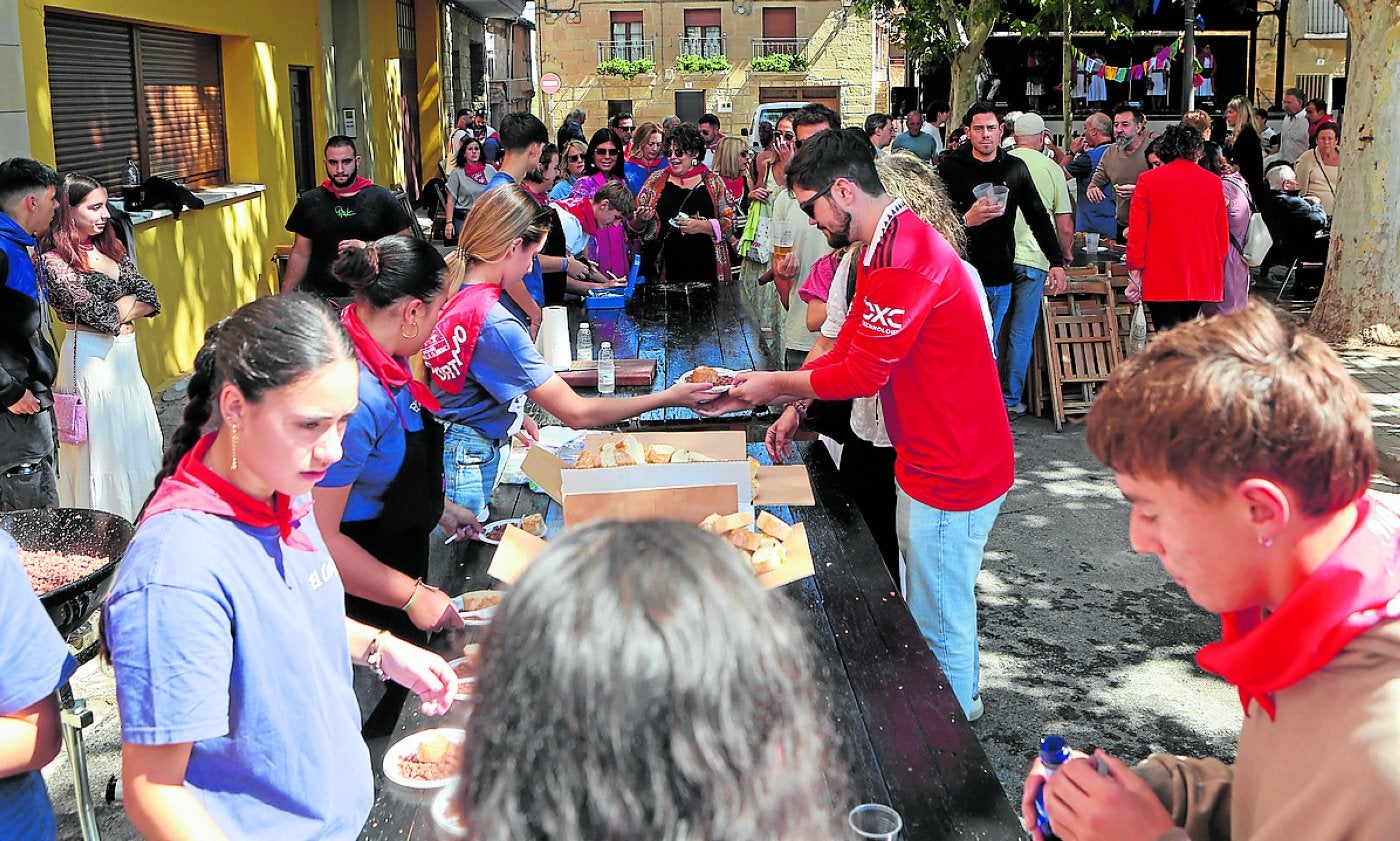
(813,50)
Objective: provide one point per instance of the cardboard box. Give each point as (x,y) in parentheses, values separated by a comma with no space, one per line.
(519,549)
(687,492)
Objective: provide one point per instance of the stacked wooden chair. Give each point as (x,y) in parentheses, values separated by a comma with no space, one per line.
(1077,346)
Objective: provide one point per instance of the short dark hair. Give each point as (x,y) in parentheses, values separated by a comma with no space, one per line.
(1212,160)
(619,197)
(981,106)
(1180,141)
(830,155)
(338,140)
(709,120)
(521,130)
(860,135)
(1125,108)
(683,138)
(1296,93)
(619,117)
(938,106)
(21,176)
(1328,125)
(875,122)
(814,114)
(1318,103)
(462,112)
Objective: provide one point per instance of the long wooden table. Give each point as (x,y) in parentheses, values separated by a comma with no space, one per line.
(902,733)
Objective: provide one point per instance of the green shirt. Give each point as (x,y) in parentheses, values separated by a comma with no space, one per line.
(1054,194)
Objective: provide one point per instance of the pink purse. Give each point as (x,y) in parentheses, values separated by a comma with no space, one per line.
(68,407)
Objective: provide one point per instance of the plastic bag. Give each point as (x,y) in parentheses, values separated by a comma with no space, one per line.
(1137,333)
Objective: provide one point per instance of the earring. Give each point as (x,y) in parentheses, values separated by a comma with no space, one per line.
(1266,542)
(415,332)
(233,463)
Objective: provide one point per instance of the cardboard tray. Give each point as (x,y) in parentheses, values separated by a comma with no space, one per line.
(519,549)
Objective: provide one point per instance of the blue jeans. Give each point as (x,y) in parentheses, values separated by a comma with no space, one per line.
(1026,294)
(943,554)
(998,301)
(472,464)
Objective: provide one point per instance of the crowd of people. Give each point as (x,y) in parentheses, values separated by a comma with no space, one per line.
(315,466)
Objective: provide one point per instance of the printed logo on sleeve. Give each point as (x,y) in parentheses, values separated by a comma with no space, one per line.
(887,321)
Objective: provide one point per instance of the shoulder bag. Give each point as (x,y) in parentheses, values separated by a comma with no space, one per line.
(68,407)
(1257,239)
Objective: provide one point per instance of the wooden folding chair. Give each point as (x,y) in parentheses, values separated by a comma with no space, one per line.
(1081,345)
(401,195)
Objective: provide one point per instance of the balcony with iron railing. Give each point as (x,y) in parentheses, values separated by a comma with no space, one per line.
(631,50)
(780,46)
(704,47)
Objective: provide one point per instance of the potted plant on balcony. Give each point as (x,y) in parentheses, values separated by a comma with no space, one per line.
(626,68)
(781,63)
(701,64)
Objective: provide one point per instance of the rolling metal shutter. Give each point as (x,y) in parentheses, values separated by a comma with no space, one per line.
(92,88)
(183,105)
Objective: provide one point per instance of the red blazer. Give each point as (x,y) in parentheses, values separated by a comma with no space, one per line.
(1178,233)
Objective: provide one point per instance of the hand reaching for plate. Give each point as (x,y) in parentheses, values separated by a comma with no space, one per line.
(424,673)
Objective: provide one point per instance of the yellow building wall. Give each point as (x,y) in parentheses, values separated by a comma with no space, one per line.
(843,53)
(210,261)
(432,121)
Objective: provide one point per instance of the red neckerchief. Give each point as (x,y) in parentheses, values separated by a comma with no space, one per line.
(581,208)
(194,487)
(696,170)
(391,371)
(647,164)
(476,172)
(448,351)
(541,199)
(735,186)
(359,184)
(1354,590)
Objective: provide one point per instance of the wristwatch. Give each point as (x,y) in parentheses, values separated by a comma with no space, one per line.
(374,658)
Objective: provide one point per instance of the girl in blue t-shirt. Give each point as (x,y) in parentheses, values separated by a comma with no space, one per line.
(226,624)
(484,363)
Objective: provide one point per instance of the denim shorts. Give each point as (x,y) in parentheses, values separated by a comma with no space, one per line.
(472,464)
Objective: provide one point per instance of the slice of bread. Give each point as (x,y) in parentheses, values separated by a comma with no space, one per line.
(660,453)
(743,538)
(729,522)
(768,557)
(710,523)
(772,526)
(634,449)
(587,459)
(622,456)
(607,456)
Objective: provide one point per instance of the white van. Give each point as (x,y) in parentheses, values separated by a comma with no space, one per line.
(769,111)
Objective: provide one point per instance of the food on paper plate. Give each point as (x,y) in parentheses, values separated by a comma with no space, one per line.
(466,665)
(533,524)
(437,758)
(763,549)
(630,452)
(481,599)
(49,569)
(706,374)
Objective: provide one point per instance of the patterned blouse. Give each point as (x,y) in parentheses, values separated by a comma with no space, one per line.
(90,298)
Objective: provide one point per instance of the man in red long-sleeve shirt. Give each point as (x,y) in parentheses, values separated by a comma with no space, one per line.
(917,338)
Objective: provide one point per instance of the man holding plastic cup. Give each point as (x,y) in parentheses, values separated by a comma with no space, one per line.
(989,187)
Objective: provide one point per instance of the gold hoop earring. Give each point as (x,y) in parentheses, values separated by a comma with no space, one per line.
(415,332)
(233,463)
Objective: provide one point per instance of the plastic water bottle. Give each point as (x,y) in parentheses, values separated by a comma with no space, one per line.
(607,369)
(584,348)
(1054,752)
(131,187)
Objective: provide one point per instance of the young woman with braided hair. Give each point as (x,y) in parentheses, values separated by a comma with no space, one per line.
(379,504)
(226,625)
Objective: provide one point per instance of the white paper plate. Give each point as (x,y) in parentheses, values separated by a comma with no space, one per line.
(1102,249)
(466,687)
(448,827)
(719,389)
(513,521)
(480,616)
(408,746)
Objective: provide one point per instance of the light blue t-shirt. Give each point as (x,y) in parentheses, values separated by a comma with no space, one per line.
(922,146)
(373,447)
(224,637)
(34,662)
(505,367)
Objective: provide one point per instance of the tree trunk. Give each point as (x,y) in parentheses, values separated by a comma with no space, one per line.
(976,28)
(1360,297)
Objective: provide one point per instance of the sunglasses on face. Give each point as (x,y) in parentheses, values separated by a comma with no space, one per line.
(575,158)
(609,152)
(809,206)
(787,135)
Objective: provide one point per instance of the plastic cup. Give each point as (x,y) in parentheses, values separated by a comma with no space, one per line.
(784,234)
(996,193)
(875,821)
(1091,243)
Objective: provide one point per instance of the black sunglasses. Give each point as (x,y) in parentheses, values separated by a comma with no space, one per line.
(605,151)
(576,157)
(809,206)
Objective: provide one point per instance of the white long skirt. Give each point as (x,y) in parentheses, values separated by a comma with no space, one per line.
(113,470)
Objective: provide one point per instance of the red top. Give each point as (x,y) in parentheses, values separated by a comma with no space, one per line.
(921,343)
(1178,233)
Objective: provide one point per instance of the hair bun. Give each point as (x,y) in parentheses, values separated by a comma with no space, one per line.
(357,267)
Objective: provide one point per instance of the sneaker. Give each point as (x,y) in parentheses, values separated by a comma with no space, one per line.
(976,711)
(1016,411)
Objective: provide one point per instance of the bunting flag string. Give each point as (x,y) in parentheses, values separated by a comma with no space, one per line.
(1160,61)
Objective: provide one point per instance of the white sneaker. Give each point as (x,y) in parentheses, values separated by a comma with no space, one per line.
(976,711)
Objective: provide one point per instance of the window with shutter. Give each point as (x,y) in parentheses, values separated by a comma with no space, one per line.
(120,90)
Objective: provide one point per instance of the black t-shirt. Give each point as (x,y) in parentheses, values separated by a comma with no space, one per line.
(326,220)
